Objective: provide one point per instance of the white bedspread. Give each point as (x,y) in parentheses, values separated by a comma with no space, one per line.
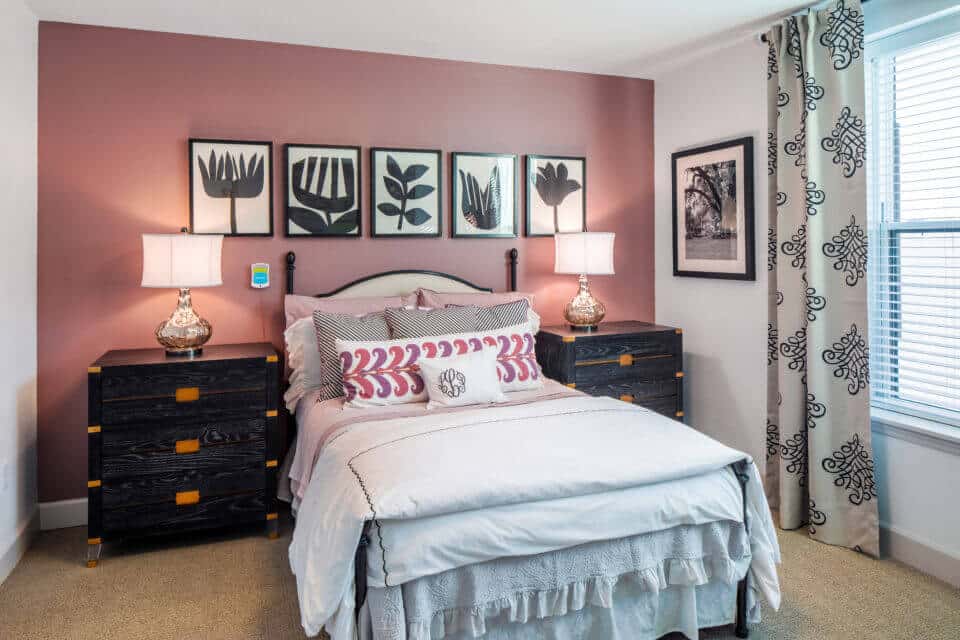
(423,467)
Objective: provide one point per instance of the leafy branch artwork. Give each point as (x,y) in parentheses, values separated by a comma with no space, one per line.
(481,208)
(554,185)
(398,185)
(225,177)
(708,188)
(344,206)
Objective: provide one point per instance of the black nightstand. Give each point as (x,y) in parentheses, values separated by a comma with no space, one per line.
(177,444)
(634,361)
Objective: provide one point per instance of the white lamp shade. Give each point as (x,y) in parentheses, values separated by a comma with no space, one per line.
(588,253)
(181,260)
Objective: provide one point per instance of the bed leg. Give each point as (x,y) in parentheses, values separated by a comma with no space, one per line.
(740,626)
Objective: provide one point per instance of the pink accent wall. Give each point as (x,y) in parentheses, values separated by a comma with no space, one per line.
(116,108)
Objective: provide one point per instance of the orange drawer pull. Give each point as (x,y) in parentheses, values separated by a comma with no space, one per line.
(187,446)
(188,394)
(188,497)
(626,398)
(626,360)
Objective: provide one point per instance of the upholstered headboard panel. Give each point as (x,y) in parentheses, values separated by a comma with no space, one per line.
(404,281)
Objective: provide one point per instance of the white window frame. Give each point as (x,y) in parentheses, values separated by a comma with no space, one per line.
(910,36)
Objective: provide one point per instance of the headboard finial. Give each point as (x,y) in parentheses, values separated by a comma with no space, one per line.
(513,253)
(291,267)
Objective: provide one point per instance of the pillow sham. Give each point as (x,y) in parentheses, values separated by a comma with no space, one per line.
(434,299)
(462,380)
(388,372)
(500,316)
(297,307)
(419,323)
(303,361)
(331,327)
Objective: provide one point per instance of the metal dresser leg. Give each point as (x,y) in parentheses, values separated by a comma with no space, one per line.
(94,546)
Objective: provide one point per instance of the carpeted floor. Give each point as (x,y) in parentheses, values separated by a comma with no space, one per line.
(240,586)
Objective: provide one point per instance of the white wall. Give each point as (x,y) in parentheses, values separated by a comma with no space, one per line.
(717,97)
(18,279)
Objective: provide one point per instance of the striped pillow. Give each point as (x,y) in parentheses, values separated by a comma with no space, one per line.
(500,316)
(420,323)
(331,327)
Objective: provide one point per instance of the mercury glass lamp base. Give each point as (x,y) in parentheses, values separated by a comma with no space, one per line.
(184,333)
(584,312)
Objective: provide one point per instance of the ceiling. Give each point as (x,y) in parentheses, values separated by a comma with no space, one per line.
(620,37)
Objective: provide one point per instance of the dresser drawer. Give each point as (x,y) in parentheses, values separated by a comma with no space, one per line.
(132,451)
(637,392)
(171,486)
(182,391)
(149,519)
(630,368)
(612,347)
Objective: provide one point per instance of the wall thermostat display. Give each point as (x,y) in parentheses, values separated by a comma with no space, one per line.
(260,275)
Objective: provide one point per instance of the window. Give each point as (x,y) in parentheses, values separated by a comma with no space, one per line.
(913,176)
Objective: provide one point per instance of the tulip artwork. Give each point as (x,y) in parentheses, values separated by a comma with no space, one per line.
(230,190)
(553,184)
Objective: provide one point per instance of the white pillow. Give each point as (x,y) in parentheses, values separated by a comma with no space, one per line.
(461,380)
(303,360)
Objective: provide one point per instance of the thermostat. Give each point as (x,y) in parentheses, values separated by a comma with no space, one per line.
(260,275)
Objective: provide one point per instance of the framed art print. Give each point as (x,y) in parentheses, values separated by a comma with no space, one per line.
(556,195)
(484,195)
(405,194)
(713,226)
(231,187)
(322,195)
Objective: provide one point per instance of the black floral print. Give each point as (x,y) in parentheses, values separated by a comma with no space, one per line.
(795,350)
(852,467)
(844,35)
(850,358)
(796,246)
(849,251)
(847,142)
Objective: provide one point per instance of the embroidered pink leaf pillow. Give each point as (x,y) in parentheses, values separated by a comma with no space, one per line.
(386,372)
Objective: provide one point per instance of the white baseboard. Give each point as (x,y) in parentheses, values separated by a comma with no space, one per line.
(12,555)
(62,514)
(920,555)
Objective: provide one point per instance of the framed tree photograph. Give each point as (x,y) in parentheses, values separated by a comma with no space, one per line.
(231,187)
(322,195)
(713,225)
(556,195)
(484,195)
(405,195)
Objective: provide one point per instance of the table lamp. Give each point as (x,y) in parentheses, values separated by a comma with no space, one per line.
(583,254)
(181,261)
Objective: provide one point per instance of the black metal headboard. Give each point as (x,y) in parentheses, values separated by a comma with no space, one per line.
(512,256)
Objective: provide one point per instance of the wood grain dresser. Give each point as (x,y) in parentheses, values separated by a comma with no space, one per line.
(634,361)
(177,444)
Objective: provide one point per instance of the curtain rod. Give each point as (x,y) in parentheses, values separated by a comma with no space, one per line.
(763,36)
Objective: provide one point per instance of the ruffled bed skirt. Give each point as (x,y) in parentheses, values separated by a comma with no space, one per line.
(644,586)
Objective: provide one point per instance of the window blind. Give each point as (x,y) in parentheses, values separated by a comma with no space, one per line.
(913,177)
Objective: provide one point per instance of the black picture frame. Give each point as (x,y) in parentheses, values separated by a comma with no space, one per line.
(456,226)
(530,186)
(748,272)
(300,215)
(194,161)
(436,183)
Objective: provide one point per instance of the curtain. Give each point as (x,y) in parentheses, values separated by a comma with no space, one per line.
(820,471)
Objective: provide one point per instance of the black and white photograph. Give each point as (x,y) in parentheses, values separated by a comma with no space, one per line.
(713,225)
(484,195)
(405,194)
(556,195)
(231,187)
(322,191)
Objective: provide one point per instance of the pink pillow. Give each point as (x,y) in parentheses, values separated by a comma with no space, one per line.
(435,300)
(382,373)
(296,307)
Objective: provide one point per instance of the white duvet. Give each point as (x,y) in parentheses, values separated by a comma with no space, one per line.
(570,457)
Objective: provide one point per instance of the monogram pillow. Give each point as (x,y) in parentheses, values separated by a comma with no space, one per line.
(461,380)
(388,372)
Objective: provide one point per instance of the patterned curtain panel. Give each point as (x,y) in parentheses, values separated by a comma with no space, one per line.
(819,455)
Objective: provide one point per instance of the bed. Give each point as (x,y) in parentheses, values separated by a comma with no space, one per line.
(551,515)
